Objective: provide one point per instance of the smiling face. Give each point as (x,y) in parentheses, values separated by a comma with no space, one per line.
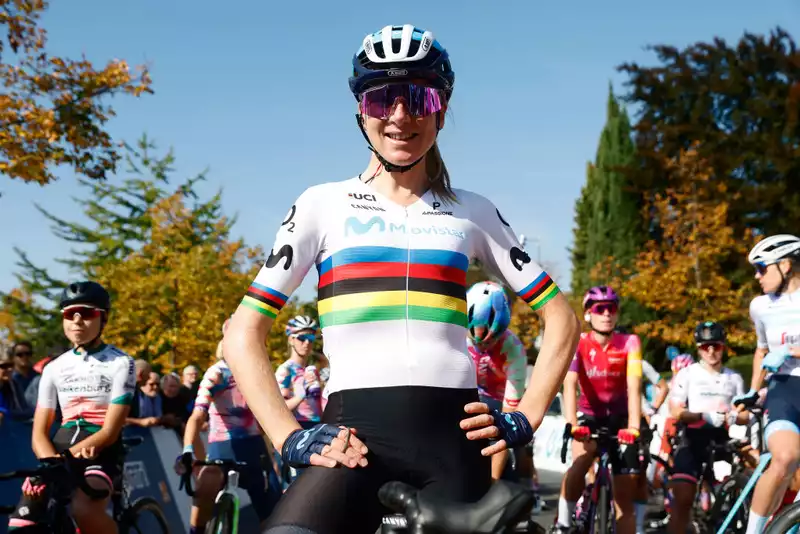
(402,138)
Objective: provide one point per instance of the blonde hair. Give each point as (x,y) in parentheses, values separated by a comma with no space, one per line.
(219,351)
(438,174)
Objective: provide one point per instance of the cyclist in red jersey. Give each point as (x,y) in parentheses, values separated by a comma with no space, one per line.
(608,368)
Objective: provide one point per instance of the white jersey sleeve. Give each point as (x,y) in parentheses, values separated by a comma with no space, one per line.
(124,382)
(650,373)
(499,250)
(679,394)
(48,392)
(297,246)
(761,331)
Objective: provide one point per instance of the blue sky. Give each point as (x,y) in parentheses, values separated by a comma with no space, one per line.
(259,96)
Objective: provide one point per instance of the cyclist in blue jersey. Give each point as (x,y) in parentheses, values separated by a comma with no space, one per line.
(392,247)
(776,315)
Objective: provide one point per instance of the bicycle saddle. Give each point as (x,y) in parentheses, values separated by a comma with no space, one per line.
(503,506)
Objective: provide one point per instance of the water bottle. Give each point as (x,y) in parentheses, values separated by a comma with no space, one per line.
(313,388)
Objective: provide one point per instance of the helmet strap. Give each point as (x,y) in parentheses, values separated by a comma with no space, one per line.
(388,165)
(784,278)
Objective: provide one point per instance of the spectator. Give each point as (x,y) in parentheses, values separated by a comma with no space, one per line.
(136,416)
(12,402)
(32,391)
(190,384)
(174,403)
(22,352)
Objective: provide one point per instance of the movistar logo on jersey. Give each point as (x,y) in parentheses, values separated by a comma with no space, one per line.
(378,226)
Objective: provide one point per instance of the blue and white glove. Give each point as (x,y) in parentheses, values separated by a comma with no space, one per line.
(774,360)
(183,463)
(514,428)
(747,399)
(302,444)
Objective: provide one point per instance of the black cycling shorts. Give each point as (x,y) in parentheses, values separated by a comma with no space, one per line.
(413,435)
(107,466)
(625,459)
(693,450)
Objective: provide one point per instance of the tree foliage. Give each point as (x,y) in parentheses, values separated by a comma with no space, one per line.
(607,216)
(119,214)
(681,276)
(175,292)
(52,109)
(742,102)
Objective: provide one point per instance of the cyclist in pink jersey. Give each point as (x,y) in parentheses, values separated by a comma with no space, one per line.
(608,368)
(233,434)
(498,354)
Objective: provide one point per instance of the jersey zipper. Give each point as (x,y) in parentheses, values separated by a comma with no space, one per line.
(410,356)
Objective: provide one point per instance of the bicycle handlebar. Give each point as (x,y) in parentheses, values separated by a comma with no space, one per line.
(48,471)
(224,465)
(603,433)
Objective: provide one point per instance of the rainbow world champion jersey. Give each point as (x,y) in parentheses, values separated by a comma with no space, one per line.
(229,417)
(392,295)
(501,369)
(85,385)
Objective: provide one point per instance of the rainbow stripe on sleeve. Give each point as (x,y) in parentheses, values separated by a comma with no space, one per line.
(264,300)
(539,292)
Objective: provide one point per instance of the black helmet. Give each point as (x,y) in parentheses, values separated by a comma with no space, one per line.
(85,292)
(709,332)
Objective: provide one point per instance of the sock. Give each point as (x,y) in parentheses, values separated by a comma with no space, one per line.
(641,513)
(755,523)
(565,510)
(193,530)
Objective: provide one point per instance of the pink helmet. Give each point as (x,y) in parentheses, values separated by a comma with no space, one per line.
(599,294)
(681,361)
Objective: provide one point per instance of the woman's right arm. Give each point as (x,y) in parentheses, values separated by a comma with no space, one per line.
(191,436)
(297,245)
(44,415)
(570,398)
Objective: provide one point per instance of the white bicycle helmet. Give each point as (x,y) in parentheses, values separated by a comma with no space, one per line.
(774,248)
(299,324)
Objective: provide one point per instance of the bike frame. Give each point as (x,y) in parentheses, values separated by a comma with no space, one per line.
(230,489)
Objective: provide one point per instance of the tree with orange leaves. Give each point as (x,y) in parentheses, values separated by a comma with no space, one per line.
(174,293)
(51,109)
(681,276)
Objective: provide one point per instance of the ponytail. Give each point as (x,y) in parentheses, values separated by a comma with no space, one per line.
(438,175)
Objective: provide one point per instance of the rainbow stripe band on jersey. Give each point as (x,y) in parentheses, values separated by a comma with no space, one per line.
(364,284)
(539,292)
(264,300)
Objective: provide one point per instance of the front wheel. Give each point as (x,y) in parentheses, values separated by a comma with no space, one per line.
(224,519)
(144,516)
(786,521)
(605,511)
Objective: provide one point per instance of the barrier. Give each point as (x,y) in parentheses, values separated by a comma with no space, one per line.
(148,472)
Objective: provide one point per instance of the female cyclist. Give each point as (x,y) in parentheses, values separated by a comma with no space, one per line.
(392,247)
(233,434)
(300,383)
(93,384)
(500,359)
(776,316)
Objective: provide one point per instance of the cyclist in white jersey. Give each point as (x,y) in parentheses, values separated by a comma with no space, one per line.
(701,402)
(93,385)
(392,247)
(776,316)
